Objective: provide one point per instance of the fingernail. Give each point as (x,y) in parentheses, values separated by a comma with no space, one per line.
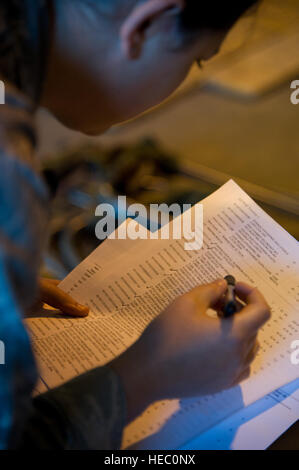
(83,309)
(221,283)
(78,310)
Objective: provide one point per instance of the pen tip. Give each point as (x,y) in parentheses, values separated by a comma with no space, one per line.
(230,280)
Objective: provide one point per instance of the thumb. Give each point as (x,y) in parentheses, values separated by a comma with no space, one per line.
(209,295)
(52,295)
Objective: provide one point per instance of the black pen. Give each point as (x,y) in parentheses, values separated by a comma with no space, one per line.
(230,305)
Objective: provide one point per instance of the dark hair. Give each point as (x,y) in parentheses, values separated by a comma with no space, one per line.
(207,14)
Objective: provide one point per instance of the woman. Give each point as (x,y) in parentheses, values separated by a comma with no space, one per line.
(94,63)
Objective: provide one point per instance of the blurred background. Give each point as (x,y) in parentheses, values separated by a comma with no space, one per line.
(232,119)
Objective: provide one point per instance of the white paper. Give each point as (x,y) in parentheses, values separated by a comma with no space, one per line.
(134,285)
(255,427)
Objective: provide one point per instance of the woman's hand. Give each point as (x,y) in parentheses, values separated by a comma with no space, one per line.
(51,295)
(186,353)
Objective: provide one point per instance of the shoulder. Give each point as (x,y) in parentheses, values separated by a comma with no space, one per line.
(17,125)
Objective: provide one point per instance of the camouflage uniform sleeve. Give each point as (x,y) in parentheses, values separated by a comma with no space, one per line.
(87,413)
(23,216)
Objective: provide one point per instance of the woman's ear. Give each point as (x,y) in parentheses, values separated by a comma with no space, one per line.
(135,25)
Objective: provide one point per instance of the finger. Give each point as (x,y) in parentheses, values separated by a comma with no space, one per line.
(252,354)
(55,282)
(220,306)
(257,312)
(208,295)
(55,297)
(248,293)
(250,344)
